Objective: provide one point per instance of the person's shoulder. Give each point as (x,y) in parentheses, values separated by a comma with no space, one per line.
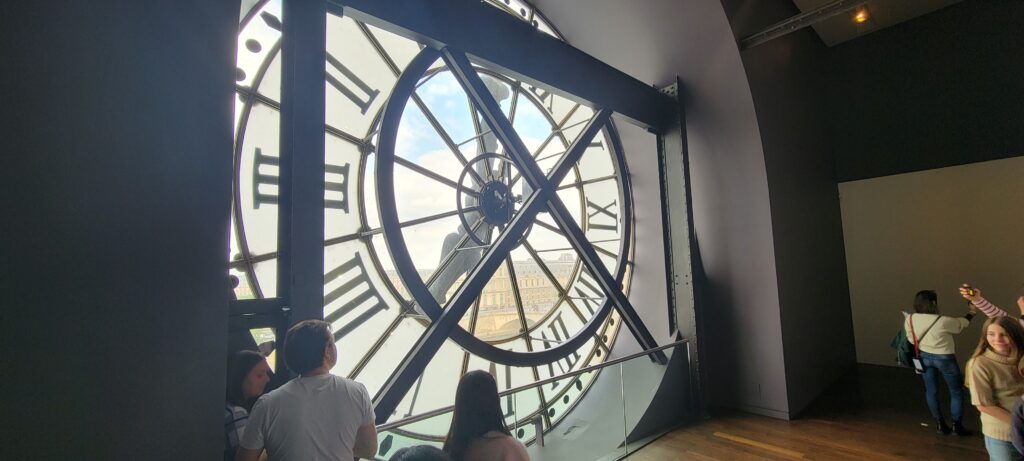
(355,389)
(518,448)
(341,381)
(347,384)
(513,449)
(507,443)
(276,395)
(983,364)
(496,446)
(234,411)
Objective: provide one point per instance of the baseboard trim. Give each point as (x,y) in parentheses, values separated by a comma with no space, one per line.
(769,412)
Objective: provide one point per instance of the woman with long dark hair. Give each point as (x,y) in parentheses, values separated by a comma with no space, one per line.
(996,382)
(478,431)
(248,374)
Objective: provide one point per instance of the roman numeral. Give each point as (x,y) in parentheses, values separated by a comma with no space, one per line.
(265,173)
(358,289)
(559,333)
(509,407)
(336,186)
(545,97)
(598,143)
(366,94)
(589,293)
(607,215)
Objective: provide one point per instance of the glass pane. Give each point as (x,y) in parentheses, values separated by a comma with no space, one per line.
(419,143)
(257,128)
(435,389)
(586,294)
(638,387)
(438,242)
(357,303)
(258,44)
(576,121)
(270,83)
(556,431)
(399,50)
(536,290)
(418,196)
(257,181)
(383,259)
(596,161)
(498,317)
(266,277)
(604,221)
(341,201)
(445,100)
(242,283)
(552,332)
(531,123)
(266,340)
(358,78)
(368,198)
(243,290)
(393,349)
(527,414)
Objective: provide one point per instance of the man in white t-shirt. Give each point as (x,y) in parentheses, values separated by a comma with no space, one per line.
(316,416)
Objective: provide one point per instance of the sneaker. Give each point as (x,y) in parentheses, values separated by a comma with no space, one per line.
(941,427)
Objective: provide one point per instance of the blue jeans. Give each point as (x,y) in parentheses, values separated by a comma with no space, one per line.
(999,450)
(943,365)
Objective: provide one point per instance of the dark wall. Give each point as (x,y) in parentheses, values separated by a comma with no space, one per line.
(788,84)
(940,90)
(116,141)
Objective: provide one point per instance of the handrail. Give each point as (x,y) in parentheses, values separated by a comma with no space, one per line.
(441,411)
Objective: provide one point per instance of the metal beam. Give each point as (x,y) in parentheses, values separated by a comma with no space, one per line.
(795,23)
(550,62)
(301,188)
(681,243)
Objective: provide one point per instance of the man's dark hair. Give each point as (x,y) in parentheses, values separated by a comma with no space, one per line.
(304,345)
(420,453)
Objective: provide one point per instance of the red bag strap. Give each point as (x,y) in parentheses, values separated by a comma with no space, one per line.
(917,349)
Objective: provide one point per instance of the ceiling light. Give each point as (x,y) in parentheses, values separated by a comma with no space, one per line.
(861,15)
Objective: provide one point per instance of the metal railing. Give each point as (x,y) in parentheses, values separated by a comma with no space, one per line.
(441,411)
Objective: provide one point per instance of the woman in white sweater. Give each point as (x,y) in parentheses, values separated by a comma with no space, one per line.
(934,337)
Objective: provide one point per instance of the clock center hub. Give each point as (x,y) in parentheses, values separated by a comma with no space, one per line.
(497,202)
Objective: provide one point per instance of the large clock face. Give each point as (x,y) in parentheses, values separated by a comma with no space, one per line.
(414,199)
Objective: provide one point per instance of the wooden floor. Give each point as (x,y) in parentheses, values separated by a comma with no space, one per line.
(877,413)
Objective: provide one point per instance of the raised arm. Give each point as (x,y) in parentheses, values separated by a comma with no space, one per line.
(974,296)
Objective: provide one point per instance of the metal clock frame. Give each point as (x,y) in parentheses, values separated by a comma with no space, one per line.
(450,29)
